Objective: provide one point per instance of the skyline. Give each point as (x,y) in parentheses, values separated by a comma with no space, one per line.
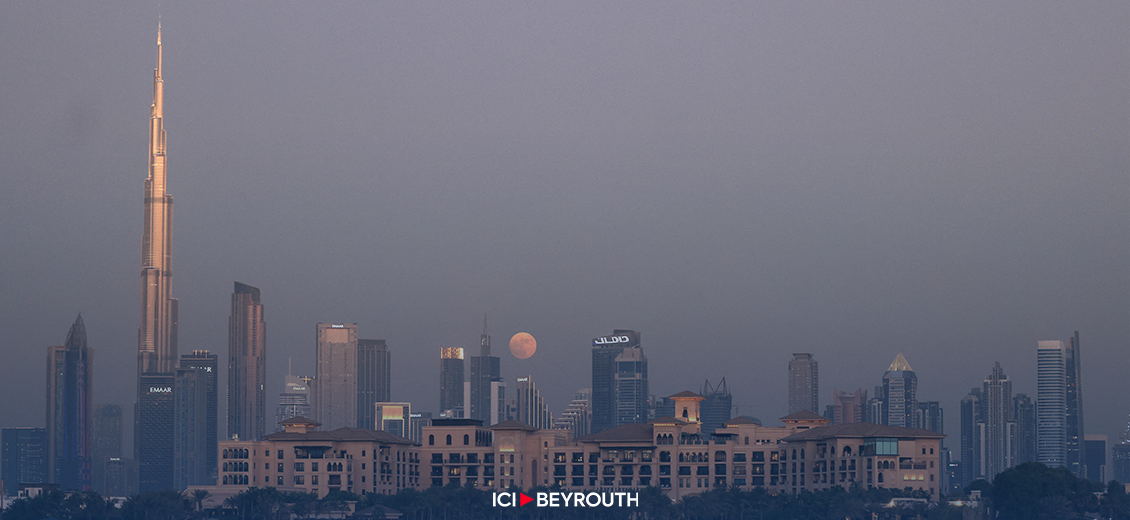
(957,264)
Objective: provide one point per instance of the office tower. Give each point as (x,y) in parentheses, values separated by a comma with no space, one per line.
(107,442)
(373,377)
(121,477)
(70,410)
(900,388)
(876,411)
(1051,403)
(929,416)
(605,349)
(416,422)
(716,406)
(1073,393)
(23,457)
(335,387)
(485,369)
(1120,457)
(394,418)
(631,387)
(996,430)
(1120,461)
(804,384)
(294,401)
(849,407)
(195,422)
(1095,457)
(451,381)
(577,415)
(970,438)
(247,365)
(153,440)
(532,409)
(157,334)
(663,407)
(1024,413)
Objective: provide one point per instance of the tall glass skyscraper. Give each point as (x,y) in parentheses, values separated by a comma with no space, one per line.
(804,384)
(605,401)
(1051,403)
(195,423)
(1074,439)
(23,456)
(631,387)
(485,369)
(157,334)
(451,381)
(373,380)
(900,388)
(247,365)
(335,388)
(70,410)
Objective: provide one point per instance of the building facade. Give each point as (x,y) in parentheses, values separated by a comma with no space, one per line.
(481,401)
(1024,413)
(294,401)
(23,456)
(531,408)
(70,411)
(717,405)
(1074,449)
(849,407)
(107,443)
(302,459)
(153,434)
(996,429)
(451,381)
(374,377)
(605,350)
(900,394)
(631,386)
(335,387)
(804,384)
(669,453)
(1051,403)
(195,421)
(247,365)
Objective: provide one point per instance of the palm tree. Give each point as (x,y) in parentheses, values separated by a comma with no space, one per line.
(199,496)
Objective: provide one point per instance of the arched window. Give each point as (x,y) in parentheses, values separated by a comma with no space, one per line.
(431,440)
(794,453)
(880,478)
(802,454)
(685,414)
(466,439)
(449,439)
(747,441)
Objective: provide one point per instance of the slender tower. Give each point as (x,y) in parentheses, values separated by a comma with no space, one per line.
(157,335)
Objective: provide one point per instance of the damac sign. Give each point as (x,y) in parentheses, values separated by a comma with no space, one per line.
(608,340)
(567,499)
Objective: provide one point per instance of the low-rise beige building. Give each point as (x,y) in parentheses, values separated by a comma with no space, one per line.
(671,453)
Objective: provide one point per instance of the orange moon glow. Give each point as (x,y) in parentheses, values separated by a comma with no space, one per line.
(523,345)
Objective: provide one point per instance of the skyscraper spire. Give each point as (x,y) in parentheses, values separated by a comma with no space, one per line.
(157,349)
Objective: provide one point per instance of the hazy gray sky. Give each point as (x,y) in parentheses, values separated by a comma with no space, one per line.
(737,180)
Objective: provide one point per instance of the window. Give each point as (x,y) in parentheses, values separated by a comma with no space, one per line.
(299,480)
(431,440)
(299,466)
(280,456)
(739,457)
(314,467)
(280,468)
(314,479)
(437,458)
(466,439)
(280,480)
(449,439)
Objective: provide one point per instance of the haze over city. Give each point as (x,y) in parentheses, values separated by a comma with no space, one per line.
(736,181)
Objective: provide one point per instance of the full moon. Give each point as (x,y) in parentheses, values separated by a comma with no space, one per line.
(523,345)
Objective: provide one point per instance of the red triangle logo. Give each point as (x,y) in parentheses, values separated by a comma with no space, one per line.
(523,499)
